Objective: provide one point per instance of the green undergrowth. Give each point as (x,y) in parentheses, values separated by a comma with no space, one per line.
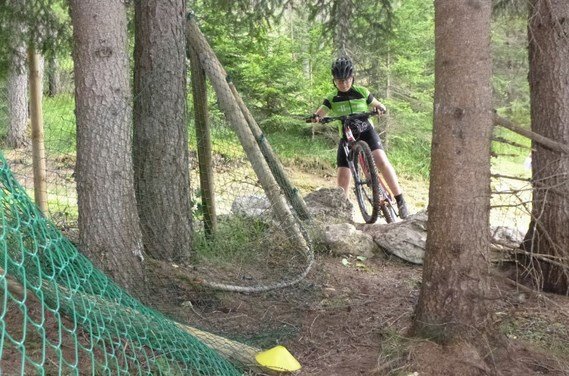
(59,124)
(296,147)
(237,238)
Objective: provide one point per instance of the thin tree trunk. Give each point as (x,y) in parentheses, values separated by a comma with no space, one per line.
(292,194)
(108,222)
(53,85)
(548,34)
(342,12)
(388,95)
(203,138)
(17,88)
(161,155)
(452,302)
(38,145)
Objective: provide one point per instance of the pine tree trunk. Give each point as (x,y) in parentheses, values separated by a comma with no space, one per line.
(452,302)
(108,222)
(548,33)
(17,88)
(342,12)
(160,130)
(53,85)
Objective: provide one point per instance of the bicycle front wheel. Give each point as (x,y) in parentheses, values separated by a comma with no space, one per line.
(386,203)
(388,211)
(366,182)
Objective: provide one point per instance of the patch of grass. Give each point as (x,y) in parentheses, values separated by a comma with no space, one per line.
(59,124)
(237,238)
(296,147)
(393,354)
(410,154)
(224,140)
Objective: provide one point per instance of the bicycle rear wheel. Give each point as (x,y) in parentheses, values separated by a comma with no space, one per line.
(366,182)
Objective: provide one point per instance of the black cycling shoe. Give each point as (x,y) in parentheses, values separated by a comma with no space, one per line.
(402,208)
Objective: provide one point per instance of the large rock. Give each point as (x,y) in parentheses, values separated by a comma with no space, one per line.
(329,205)
(506,236)
(345,239)
(257,206)
(406,239)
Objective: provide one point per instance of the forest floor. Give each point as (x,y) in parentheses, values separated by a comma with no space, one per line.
(354,318)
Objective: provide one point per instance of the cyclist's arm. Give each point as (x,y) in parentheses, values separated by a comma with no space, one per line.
(377,105)
(320,113)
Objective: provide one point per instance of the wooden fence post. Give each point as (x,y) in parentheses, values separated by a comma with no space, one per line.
(203,139)
(38,145)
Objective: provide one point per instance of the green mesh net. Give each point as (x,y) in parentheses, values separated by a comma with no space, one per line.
(60,315)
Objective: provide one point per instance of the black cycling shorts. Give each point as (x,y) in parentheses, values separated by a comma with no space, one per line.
(370,136)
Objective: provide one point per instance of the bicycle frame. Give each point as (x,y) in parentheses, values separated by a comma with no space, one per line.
(347,146)
(384,196)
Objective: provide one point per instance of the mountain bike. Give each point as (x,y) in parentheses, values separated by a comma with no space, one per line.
(371,191)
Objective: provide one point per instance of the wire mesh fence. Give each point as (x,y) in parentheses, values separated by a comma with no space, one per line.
(62,313)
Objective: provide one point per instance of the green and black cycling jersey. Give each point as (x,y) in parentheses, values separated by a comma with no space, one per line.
(355,100)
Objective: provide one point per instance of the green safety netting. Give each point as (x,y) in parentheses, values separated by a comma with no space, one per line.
(61,315)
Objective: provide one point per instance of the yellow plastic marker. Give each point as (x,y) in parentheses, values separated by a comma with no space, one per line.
(278,359)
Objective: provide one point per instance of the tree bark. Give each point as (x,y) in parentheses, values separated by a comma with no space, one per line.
(53,82)
(108,222)
(548,34)
(161,157)
(17,88)
(452,298)
(342,11)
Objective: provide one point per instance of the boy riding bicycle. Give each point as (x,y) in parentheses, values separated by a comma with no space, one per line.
(349,99)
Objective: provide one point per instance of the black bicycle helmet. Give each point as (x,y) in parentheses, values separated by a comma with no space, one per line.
(342,68)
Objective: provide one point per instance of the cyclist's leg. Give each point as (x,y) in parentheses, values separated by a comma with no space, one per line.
(344,174)
(344,178)
(386,169)
(381,162)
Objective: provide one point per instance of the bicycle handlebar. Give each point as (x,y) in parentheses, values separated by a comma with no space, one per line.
(343,118)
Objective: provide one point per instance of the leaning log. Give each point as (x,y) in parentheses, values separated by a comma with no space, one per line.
(235,117)
(291,193)
(545,141)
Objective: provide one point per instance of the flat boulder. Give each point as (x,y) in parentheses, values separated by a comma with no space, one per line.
(405,239)
(344,239)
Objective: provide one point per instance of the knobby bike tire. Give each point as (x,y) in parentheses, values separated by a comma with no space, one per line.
(387,209)
(371,182)
(388,212)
